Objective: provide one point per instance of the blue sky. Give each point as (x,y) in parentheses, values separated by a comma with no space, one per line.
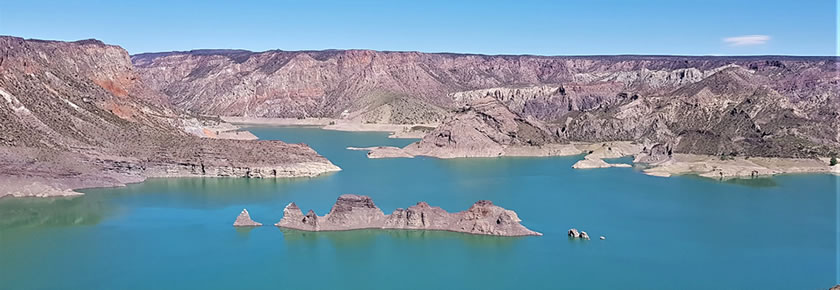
(491,27)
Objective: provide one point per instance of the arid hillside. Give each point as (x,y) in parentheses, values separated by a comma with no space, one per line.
(774,106)
(76,114)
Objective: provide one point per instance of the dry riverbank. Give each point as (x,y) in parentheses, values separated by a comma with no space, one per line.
(739,167)
(411,131)
(676,164)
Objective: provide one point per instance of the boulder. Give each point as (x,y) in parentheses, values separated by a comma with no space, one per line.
(583,235)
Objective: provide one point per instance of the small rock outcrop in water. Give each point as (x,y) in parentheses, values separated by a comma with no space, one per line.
(584,235)
(244,220)
(574,233)
(352,212)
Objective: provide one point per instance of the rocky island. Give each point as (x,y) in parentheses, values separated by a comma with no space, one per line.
(352,212)
(244,220)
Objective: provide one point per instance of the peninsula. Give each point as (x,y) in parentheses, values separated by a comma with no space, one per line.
(78,115)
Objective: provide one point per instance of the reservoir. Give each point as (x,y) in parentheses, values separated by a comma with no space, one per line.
(661,233)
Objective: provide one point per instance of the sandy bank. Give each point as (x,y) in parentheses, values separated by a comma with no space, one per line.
(51,186)
(411,131)
(32,187)
(587,163)
(217,131)
(493,151)
(594,150)
(597,151)
(739,167)
(278,121)
(677,164)
(383,152)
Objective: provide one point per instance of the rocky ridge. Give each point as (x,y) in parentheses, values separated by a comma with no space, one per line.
(76,115)
(484,128)
(352,212)
(769,106)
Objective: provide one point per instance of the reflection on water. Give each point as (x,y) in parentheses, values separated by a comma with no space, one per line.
(753,182)
(203,192)
(55,212)
(368,237)
(244,232)
(186,222)
(99,203)
(757,182)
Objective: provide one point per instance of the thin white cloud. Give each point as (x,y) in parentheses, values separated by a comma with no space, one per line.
(745,40)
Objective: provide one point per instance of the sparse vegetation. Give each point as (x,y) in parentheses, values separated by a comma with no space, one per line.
(833,161)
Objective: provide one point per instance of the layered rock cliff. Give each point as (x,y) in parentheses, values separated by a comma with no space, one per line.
(732,112)
(352,212)
(484,128)
(76,114)
(772,106)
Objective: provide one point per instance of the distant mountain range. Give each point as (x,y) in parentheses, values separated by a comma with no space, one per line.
(774,106)
(82,114)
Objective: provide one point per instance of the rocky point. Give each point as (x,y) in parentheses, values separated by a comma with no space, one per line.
(77,114)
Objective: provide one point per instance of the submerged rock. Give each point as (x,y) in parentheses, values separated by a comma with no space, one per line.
(352,212)
(244,220)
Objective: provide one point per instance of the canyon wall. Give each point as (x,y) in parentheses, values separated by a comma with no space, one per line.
(76,114)
(774,106)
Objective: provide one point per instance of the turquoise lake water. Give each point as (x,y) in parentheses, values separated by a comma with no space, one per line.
(662,233)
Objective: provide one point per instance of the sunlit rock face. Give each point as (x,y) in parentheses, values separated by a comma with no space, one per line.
(244,220)
(352,212)
(774,106)
(77,114)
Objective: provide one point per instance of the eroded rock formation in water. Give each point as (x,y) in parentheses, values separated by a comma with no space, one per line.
(244,220)
(352,212)
(76,114)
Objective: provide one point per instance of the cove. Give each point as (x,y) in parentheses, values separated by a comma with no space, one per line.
(662,233)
